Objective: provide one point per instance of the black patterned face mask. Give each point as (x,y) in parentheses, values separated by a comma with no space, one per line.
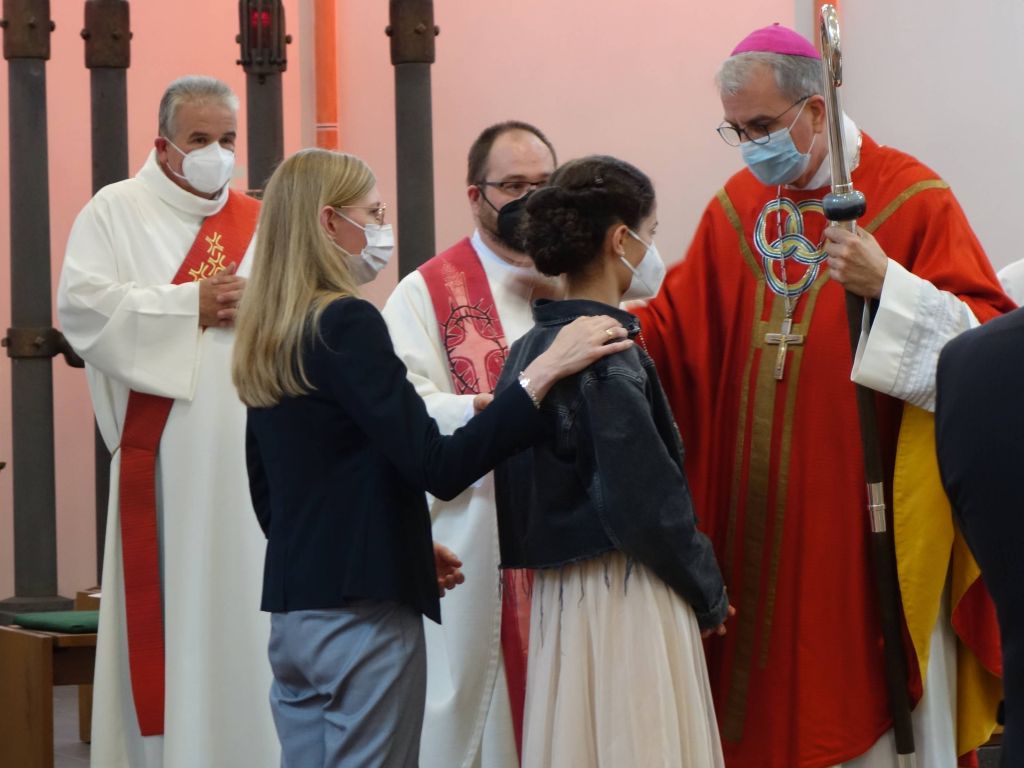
(510,220)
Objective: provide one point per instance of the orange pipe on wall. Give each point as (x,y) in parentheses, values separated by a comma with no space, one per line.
(325,46)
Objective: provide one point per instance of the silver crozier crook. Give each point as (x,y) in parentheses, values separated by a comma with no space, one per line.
(843,206)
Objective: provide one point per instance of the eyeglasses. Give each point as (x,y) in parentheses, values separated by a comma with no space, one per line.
(377,211)
(758,133)
(514,188)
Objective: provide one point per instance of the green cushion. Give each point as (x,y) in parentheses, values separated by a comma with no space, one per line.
(73,622)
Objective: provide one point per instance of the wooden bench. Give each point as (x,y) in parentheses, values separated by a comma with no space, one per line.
(32,662)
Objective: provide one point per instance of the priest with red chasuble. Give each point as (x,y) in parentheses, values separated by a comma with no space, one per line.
(750,338)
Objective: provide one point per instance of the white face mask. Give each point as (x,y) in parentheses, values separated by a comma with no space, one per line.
(208,169)
(380,244)
(647,275)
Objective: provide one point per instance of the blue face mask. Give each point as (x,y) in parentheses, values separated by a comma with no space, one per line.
(777,161)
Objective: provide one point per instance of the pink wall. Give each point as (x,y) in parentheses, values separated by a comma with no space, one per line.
(946,105)
(629,79)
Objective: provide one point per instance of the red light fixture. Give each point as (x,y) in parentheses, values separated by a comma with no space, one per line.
(262,39)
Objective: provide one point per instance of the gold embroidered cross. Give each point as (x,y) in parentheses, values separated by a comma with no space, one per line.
(783,340)
(214,264)
(214,242)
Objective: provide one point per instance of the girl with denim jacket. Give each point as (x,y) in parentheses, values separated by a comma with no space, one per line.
(625,584)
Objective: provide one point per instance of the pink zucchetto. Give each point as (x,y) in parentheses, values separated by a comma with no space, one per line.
(777,39)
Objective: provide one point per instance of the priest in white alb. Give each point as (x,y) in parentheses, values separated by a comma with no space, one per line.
(452,322)
(151,278)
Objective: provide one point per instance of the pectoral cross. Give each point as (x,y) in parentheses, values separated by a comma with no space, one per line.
(783,340)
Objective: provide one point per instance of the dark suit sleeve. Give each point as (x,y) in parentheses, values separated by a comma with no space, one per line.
(979,432)
(949,433)
(642,496)
(973,427)
(366,377)
(979,425)
(258,490)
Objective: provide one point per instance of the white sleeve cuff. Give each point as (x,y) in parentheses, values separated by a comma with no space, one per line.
(899,354)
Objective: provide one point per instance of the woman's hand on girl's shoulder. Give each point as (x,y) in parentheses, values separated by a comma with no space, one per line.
(582,342)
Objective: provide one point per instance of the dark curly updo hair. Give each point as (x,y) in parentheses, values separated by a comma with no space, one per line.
(566,221)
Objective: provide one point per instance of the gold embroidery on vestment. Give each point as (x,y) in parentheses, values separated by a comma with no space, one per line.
(734,491)
(758,473)
(214,263)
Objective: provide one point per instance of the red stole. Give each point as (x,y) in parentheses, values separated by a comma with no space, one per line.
(222,239)
(475,344)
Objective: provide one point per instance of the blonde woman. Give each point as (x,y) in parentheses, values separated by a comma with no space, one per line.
(340,450)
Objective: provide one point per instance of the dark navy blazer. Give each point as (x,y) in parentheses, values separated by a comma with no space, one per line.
(979,429)
(337,475)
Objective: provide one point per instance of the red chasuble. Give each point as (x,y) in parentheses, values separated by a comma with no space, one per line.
(223,238)
(474,342)
(775,465)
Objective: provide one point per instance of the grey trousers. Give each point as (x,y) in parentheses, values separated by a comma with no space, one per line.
(349,685)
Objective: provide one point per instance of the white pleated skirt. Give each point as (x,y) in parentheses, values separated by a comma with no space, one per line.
(616,674)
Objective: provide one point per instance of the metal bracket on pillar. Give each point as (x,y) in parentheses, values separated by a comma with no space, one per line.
(24,343)
(107,34)
(412,32)
(27,27)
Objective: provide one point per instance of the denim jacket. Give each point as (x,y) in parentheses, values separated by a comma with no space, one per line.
(609,476)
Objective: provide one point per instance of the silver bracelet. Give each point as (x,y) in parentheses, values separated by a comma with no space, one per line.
(524,382)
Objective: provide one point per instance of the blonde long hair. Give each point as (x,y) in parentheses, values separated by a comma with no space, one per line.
(296,273)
